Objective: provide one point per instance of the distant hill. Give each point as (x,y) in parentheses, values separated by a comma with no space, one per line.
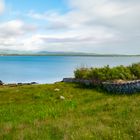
(64,53)
(15,52)
(43,53)
(10,52)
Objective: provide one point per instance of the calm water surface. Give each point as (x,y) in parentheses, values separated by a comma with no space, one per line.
(48,69)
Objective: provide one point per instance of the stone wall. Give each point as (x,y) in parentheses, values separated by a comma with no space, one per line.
(82,81)
(126,87)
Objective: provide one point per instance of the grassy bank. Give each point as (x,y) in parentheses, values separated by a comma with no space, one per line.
(37,113)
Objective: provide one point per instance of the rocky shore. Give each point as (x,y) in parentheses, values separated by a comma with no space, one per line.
(17,84)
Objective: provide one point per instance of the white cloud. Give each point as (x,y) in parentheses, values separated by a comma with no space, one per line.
(91,25)
(13,33)
(15,28)
(1,6)
(112,12)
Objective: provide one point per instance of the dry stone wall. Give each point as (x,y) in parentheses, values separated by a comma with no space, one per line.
(127,87)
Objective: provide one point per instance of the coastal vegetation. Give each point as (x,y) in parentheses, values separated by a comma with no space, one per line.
(38,112)
(106,73)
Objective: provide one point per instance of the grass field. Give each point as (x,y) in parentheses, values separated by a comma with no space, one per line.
(37,113)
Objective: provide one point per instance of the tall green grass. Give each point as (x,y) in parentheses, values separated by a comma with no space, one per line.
(38,113)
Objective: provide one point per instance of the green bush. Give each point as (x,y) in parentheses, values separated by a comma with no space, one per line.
(120,72)
(99,73)
(106,73)
(82,73)
(135,70)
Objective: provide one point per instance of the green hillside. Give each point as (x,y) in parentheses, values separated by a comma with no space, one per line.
(67,112)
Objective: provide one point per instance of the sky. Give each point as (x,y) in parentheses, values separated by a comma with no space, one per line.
(92,26)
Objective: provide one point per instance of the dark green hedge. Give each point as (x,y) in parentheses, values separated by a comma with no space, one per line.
(131,72)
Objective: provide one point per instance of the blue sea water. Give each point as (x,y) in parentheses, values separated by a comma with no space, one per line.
(49,69)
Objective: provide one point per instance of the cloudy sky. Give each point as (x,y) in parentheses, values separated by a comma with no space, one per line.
(95,26)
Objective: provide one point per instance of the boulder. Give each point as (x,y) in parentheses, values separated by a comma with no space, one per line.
(62,97)
(34,83)
(57,89)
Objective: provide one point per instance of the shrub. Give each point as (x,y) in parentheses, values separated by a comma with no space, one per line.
(106,73)
(81,73)
(135,70)
(120,72)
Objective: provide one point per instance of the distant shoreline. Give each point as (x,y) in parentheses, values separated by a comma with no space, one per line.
(73,55)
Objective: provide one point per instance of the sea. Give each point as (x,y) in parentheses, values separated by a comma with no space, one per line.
(50,69)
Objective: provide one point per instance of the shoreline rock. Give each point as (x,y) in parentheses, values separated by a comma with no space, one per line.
(1,83)
(18,84)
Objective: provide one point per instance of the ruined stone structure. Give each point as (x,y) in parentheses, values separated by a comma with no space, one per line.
(125,87)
